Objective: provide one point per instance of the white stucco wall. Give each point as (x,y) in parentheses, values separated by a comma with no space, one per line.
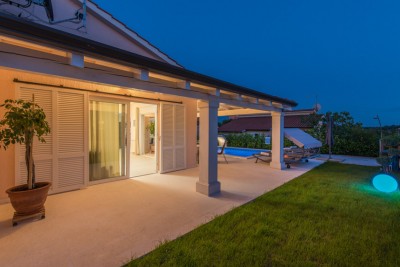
(7,90)
(98,29)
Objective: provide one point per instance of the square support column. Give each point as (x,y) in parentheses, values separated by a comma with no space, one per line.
(277,141)
(208,158)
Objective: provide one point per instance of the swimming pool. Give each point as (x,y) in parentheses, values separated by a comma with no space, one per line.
(242,152)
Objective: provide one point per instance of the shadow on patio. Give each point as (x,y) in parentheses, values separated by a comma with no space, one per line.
(108,224)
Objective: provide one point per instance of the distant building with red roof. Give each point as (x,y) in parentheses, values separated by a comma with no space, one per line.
(261,124)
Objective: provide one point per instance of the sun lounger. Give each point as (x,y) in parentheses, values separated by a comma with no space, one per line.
(312,152)
(263,156)
(267,157)
(306,147)
(291,155)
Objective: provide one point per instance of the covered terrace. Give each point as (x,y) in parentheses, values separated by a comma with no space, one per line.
(38,58)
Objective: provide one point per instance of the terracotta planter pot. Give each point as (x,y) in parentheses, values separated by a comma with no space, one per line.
(28,202)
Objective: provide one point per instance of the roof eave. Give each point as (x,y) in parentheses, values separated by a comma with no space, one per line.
(42,34)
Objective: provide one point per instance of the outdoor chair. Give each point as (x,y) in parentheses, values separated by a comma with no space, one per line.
(222,143)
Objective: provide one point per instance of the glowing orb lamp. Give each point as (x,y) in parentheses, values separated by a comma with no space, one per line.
(385,183)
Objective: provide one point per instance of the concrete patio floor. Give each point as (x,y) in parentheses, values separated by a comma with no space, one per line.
(108,224)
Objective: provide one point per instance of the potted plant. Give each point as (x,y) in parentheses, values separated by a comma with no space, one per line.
(22,122)
(151,127)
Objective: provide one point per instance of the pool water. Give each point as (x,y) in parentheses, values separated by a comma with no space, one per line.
(242,152)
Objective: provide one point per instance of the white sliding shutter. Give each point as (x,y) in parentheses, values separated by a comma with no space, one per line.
(71,140)
(167,137)
(173,139)
(179,136)
(62,160)
(42,152)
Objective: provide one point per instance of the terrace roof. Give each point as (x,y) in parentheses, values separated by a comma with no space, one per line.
(28,30)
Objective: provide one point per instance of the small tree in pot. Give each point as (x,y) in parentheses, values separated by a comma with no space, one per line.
(22,122)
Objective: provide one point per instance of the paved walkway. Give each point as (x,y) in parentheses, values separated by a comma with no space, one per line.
(108,224)
(356,160)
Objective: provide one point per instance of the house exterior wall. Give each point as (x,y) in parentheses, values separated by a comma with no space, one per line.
(105,73)
(8,90)
(7,158)
(98,29)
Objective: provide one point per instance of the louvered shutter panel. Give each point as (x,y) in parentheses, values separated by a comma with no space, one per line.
(62,160)
(180,140)
(71,140)
(167,138)
(42,152)
(173,141)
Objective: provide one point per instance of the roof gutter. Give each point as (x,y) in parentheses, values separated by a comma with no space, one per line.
(42,34)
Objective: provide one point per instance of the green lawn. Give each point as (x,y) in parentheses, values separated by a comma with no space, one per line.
(330,216)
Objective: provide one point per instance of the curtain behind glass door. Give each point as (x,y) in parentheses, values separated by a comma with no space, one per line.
(107,133)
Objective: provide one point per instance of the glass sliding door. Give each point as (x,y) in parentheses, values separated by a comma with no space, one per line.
(143,139)
(107,135)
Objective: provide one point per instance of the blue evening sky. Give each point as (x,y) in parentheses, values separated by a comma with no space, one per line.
(345,52)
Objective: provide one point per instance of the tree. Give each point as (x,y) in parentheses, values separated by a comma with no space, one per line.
(22,122)
(349,136)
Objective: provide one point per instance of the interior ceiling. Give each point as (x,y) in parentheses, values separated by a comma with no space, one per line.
(143,105)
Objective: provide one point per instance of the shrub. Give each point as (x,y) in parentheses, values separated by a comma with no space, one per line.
(249,141)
